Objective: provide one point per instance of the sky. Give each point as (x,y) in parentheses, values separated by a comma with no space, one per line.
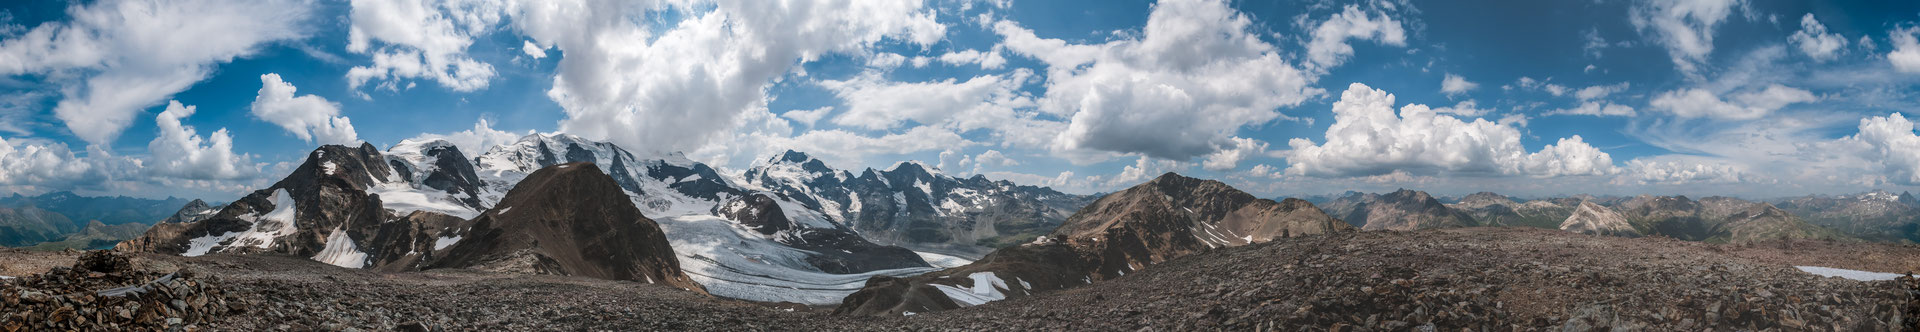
(214,98)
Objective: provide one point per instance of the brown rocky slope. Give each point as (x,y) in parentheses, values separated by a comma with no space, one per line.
(1168,217)
(569,219)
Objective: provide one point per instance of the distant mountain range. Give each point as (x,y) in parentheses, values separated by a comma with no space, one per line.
(1164,219)
(792,228)
(53,217)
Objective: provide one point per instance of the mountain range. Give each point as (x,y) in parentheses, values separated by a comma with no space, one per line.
(792,231)
(792,228)
(56,216)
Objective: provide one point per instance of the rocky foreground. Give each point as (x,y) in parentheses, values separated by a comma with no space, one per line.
(1476,278)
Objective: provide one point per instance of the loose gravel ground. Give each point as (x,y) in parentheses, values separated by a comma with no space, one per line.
(1496,279)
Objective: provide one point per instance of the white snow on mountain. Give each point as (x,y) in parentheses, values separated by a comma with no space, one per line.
(735,262)
(445,241)
(268,227)
(986,288)
(943,261)
(341,252)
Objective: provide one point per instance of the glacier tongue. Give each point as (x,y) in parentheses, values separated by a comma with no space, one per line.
(736,263)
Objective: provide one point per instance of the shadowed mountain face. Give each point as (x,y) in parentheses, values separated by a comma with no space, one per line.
(1490,209)
(1168,217)
(569,219)
(1876,216)
(1717,219)
(1405,210)
(322,206)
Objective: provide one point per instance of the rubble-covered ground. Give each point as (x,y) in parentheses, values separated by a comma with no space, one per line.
(1495,279)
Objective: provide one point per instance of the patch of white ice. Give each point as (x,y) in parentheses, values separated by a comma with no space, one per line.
(943,261)
(201,245)
(986,288)
(1849,274)
(445,242)
(341,252)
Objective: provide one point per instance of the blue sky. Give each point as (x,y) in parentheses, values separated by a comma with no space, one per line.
(1529,98)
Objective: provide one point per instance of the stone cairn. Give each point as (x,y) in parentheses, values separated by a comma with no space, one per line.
(103,291)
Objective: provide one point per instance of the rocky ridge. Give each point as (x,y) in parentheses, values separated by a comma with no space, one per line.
(1166,218)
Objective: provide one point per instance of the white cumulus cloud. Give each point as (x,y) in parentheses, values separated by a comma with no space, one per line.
(1367,139)
(1814,40)
(1456,85)
(986,60)
(1894,146)
(309,117)
(179,152)
(422,39)
(1329,47)
(1198,72)
(1905,56)
(677,86)
(113,58)
(1229,158)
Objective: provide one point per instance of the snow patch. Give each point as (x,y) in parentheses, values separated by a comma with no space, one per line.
(404,199)
(1849,274)
(445,242)
(329,168)
(201,245)
(943,261)
(341,252)
(267,229)
(986,288)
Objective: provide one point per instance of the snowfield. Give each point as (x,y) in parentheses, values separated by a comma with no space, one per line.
(733,262)
(1849,274)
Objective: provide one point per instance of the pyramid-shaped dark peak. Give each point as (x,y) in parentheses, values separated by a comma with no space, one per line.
(792,156)
(1174,179)
(909,167)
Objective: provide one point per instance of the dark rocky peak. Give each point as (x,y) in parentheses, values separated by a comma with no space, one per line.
(906,173)
(759,212)
(569,219)
(195,210)
(792,156)
(357,167)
